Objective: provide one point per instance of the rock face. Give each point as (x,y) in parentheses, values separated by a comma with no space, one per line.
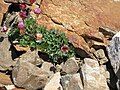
(93,77)
(3,9)
(29,76)
(114,52)
(80,17)
(114,55)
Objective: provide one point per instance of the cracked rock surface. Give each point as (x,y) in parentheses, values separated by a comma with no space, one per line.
(80,17)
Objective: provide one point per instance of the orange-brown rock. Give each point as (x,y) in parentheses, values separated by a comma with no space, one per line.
(3,9)
(80,17)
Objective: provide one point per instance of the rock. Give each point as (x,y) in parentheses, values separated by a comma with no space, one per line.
(107,32)
(29,76)
(3,9)
(32,57)
(47,66)
(11,17)
(65,81)
(71,82)
(101,56)
(70,66)
(10,87)
(54,83)
(75,83)
(114,55)
(78,17)
(5,55)
(93,77)
(5,79)
(18,1)
(58,68)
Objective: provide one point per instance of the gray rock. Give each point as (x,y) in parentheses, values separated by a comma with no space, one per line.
(71,82)
(54,83)
(5,55)
(93,75)
(65,81)
(101,56)
(114,53)
(29,76)
(70,66)
(114,56)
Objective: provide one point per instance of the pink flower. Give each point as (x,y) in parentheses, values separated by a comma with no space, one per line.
(4,29)
(32,1)
(21,25)
(23,14)
(22,6)
(37,10)
(64,48)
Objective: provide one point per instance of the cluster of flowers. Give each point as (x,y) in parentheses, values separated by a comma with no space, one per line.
(21,26)
(23,15)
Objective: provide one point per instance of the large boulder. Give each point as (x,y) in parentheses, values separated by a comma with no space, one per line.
(93,76)
(80,18)
(114,56)
(28,76)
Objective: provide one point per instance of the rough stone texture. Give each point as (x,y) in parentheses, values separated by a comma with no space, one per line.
(29,76)
(5,55)
(93,77)
(54,83)
(114,55)
(65,81)
(71,82)
(32,57)
(5,79)
(70,66)
(75,83)
(80,17)
(3,9)
(47,66)
(100,55)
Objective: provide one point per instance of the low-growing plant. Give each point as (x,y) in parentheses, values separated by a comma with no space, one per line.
(51,42)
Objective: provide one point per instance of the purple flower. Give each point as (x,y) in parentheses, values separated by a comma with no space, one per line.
(4,29)
(21,25)
(64,48)
(37,10)
(23,14)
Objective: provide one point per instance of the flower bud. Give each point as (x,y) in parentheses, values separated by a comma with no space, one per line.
(37,10)
(21,25)
(22,6)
